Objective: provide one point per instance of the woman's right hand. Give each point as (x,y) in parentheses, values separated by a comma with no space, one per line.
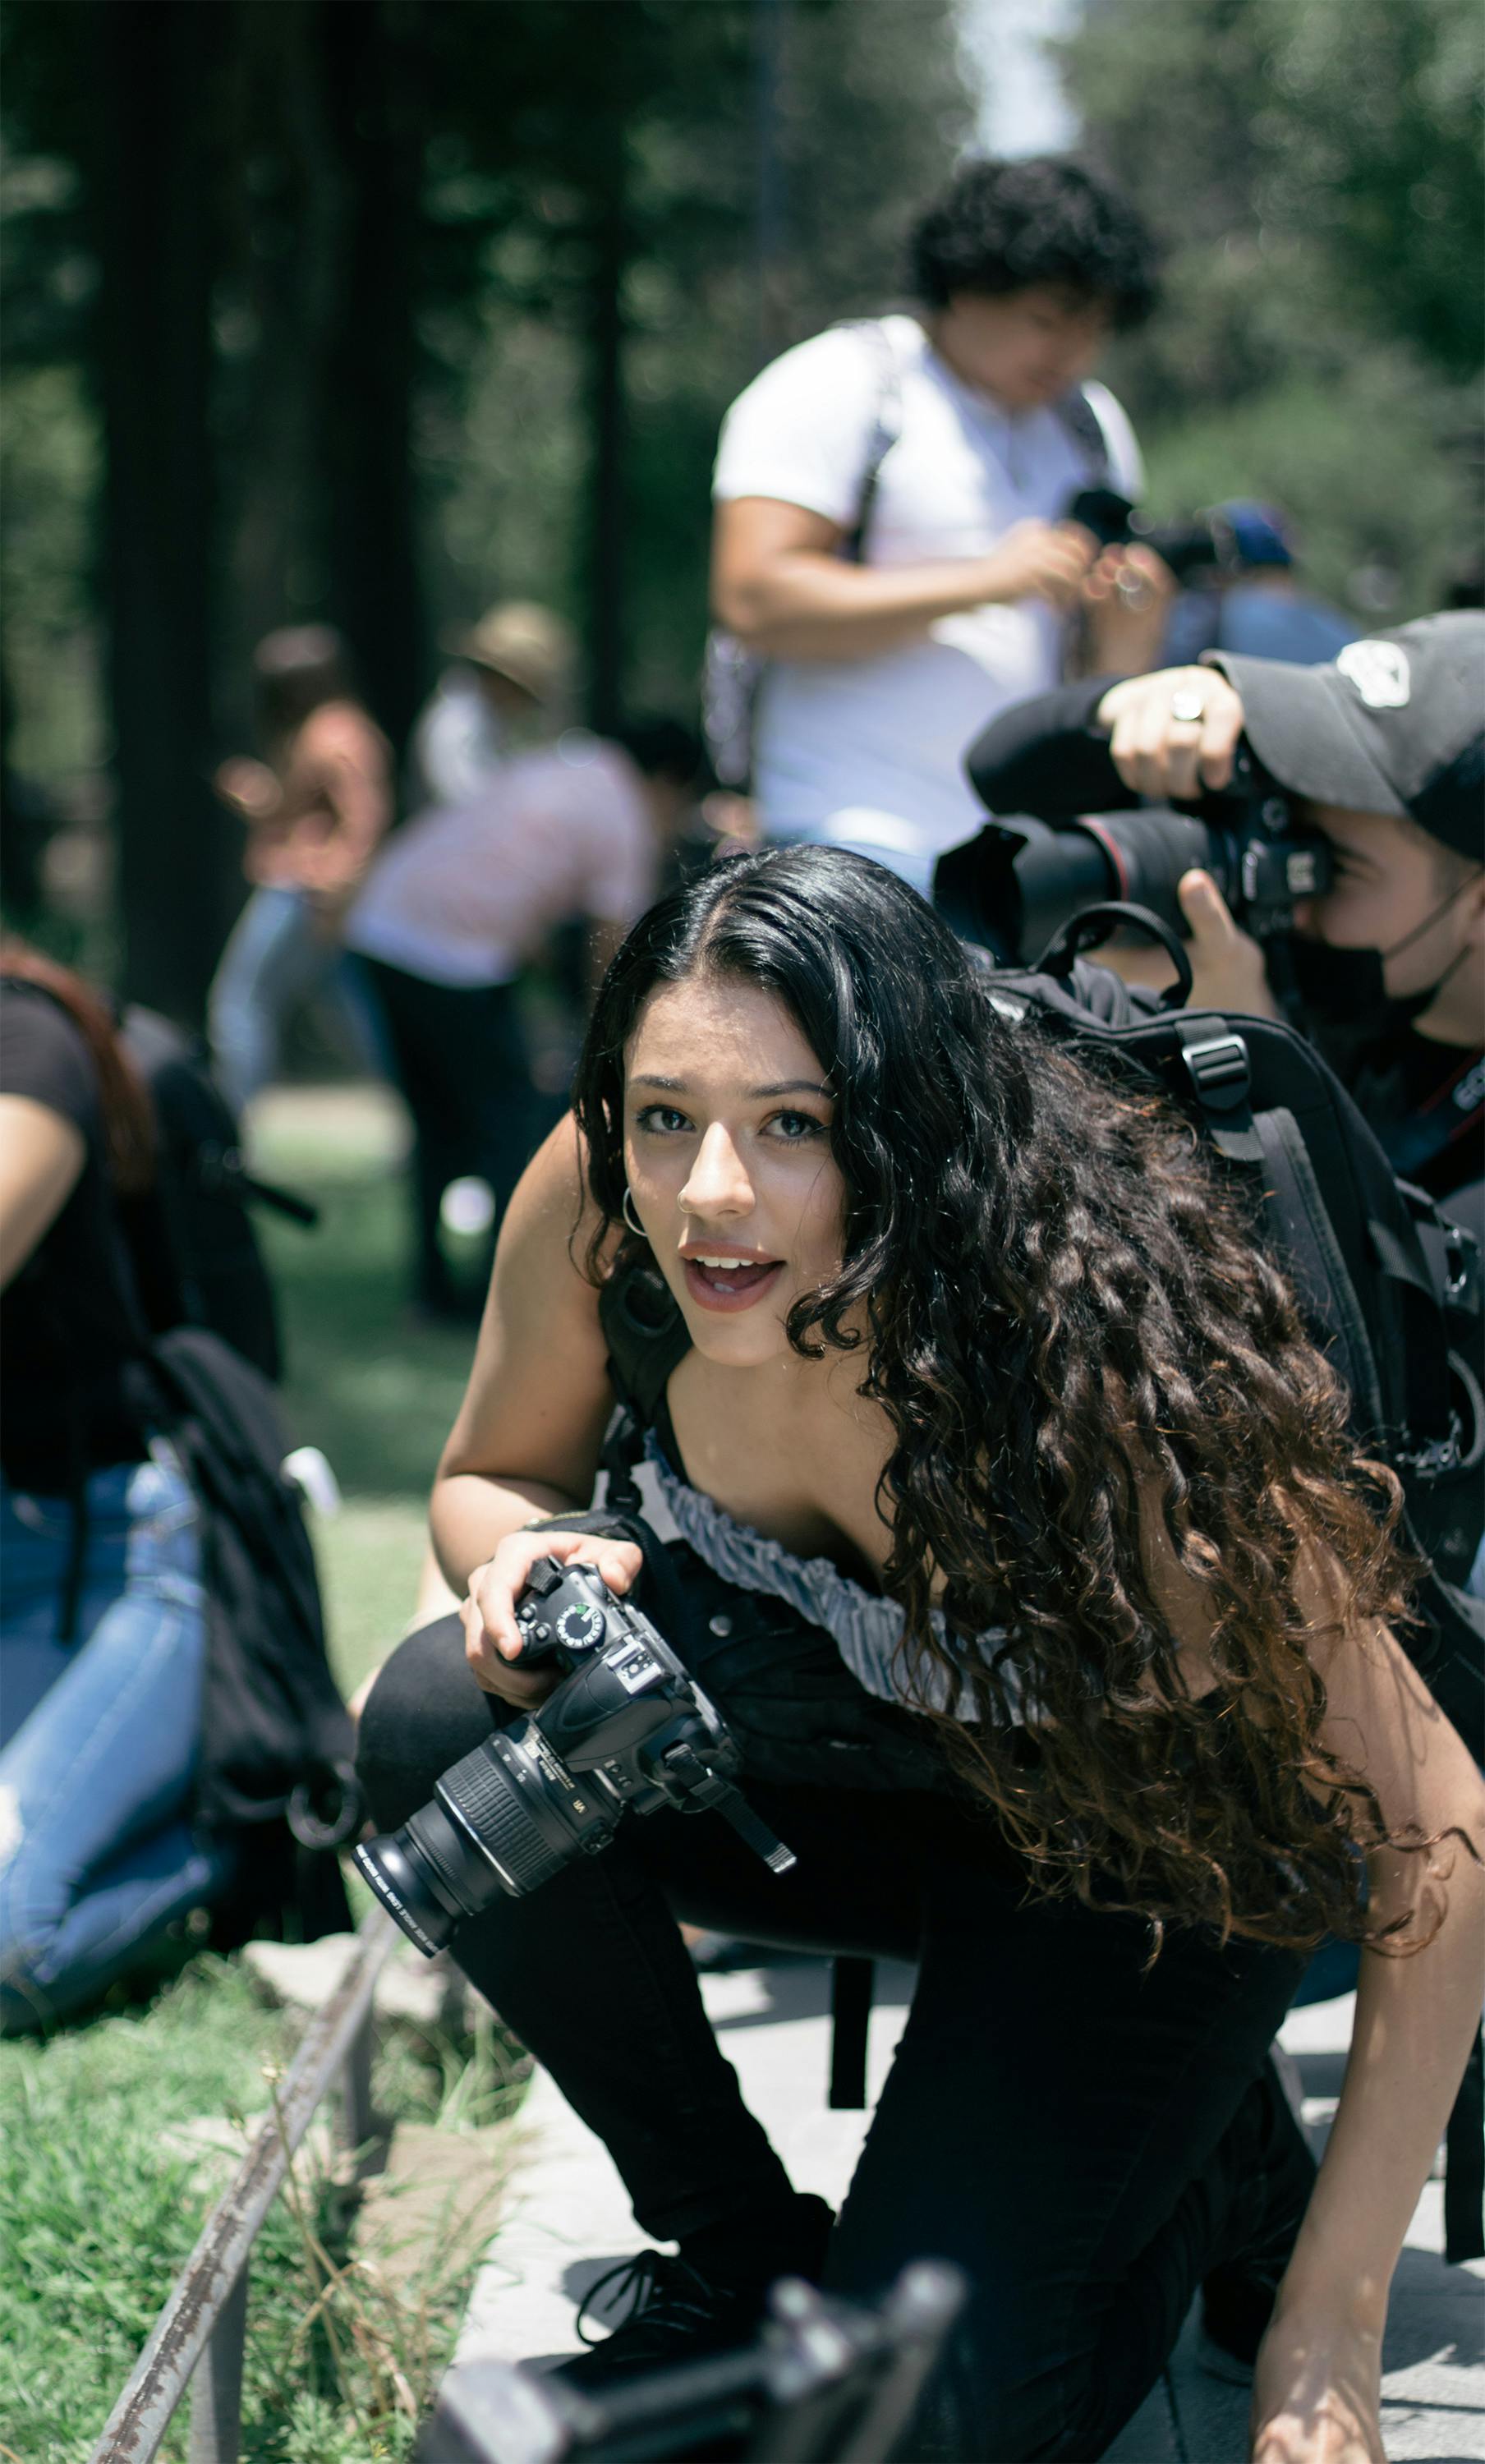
(492,1641)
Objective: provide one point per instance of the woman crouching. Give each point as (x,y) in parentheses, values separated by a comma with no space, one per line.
(1025,1549)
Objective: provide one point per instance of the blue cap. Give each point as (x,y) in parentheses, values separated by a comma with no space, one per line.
(1260,533)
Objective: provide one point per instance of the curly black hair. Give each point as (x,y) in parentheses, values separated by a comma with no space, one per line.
(1078,1344)
(1005,226)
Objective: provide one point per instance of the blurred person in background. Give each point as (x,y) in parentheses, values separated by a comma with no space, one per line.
(509,687)
(1252,602)
(891,532)
(102,1617)
(316,806)
(457,906)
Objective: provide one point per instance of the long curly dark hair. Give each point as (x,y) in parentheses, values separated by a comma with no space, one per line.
(1078,1340)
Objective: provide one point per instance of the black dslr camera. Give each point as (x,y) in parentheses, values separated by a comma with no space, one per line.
(627,1729)
(1013,887)
(1207,544)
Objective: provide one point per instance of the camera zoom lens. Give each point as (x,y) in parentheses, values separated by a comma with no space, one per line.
(519,1828)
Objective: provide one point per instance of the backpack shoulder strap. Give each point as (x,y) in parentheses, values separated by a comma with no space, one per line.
(1079,416)
(886,428)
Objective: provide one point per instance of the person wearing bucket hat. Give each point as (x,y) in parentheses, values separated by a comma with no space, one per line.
(509,687)
(1381,750)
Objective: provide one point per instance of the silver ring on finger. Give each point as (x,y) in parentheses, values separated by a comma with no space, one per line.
(1188,707)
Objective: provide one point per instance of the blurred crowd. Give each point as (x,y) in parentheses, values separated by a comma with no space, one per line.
(924,522)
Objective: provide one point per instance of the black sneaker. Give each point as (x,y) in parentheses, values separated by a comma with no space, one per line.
(675,2315)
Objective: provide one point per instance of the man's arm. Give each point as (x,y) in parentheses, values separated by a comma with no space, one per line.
(780,583)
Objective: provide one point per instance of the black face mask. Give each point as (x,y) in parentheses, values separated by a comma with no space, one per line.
(1345,990)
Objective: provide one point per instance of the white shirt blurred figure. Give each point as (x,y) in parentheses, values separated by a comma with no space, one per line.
(892,532)
(458,901)
(510,688)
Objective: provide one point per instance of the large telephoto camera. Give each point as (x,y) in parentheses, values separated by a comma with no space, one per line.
(1012,889)
(1016,887)
(627,1730)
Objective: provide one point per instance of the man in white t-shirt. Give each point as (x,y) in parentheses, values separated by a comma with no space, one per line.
(963,434)
(458,901)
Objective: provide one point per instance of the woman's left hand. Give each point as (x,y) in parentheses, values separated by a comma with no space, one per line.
(1316,2393)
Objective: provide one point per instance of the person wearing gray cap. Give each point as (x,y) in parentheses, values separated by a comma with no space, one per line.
(1385,748)
(1382,752)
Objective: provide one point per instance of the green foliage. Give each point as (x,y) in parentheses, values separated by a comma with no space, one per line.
(1380,508)
(1370,143)
(50,470)
(1314,173)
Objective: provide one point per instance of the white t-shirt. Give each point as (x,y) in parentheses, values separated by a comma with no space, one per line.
(844,743)
(462,893)
(458,741)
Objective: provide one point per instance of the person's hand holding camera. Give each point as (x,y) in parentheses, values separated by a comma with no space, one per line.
(1038,560)
(1127,598)
(1172,733)
(492,1641)
(1228,967)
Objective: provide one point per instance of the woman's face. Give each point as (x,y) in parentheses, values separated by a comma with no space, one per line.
(726,1146)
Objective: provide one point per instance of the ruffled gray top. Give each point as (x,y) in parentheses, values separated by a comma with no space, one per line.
(865,1629)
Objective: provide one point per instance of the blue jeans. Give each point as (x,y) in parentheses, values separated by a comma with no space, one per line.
(277,961)
(99,1737)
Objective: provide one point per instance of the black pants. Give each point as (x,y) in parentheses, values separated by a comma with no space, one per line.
(1086,2136)
(461,1063)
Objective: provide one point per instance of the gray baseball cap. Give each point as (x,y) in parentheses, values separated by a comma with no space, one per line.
(1395,723)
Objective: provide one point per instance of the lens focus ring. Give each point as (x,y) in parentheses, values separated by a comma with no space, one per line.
(503,1816)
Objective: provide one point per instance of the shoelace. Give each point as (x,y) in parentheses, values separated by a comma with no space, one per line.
(659,2288)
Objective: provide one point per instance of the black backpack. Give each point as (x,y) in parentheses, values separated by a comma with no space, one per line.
(195,1253)
(277,1744)
(1391,1289)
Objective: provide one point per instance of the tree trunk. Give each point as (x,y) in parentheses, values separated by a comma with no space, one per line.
(154,174)
(607,424)
(376,595)
(289,242)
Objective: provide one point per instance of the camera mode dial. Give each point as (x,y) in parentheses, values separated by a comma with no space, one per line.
(580,1627)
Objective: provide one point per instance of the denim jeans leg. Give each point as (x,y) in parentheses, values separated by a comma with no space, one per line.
(35,1549)
(96,1855)
(274,962)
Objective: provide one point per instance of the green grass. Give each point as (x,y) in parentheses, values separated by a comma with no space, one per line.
(103,2194)
(99,2204)
(376,1391)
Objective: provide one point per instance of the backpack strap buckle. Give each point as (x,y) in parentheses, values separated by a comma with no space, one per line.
(1436,1457)
(1461,1269)
(1219,1070)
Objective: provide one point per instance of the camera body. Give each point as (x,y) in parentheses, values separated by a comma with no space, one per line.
(1204,545)
(627,1729)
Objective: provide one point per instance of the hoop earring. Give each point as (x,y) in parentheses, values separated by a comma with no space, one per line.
(636,1229)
